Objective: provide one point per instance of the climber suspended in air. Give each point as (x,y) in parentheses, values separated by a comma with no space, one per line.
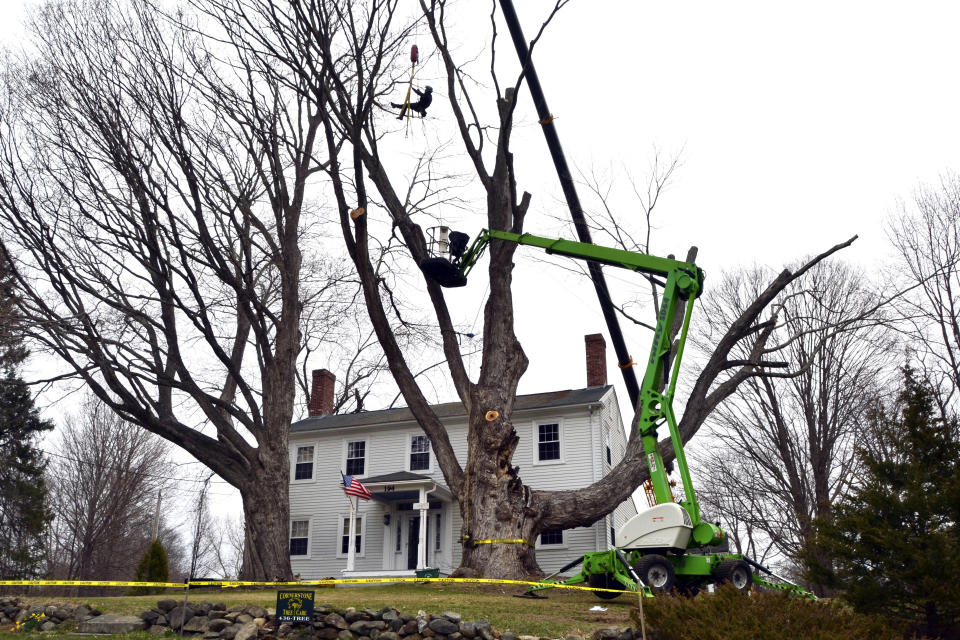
(420,106)
(426,96)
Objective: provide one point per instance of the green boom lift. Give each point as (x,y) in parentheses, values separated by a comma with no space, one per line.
(668,546)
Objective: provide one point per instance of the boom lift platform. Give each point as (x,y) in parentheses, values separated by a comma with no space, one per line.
(668,546)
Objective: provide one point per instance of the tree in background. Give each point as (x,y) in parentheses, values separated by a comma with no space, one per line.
(13,351)
(893,545)
(926,237)
(24,508)
(226,535)
(787,439)
(155,181)
(202,554)
(104,482)
(153,567)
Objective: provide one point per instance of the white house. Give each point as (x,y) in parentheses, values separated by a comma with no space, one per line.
(568,439)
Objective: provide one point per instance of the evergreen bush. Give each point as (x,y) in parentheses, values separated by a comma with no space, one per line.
(153,567)
(731,615)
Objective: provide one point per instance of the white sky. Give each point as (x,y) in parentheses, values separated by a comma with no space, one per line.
(800,124)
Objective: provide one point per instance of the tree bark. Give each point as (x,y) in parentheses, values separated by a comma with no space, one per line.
(266,550)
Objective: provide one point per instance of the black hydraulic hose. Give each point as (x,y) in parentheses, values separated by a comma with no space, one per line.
(566,567)
(573,201)
(757,565)
(633,574)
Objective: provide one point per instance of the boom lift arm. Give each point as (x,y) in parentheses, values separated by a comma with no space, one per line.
(682,282)
(666,546)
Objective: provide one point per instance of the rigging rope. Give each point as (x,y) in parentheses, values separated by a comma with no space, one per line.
(414,58)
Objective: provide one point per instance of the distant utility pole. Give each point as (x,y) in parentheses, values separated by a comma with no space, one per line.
(156,517)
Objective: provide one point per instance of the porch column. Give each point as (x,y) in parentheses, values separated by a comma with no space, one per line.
(424,507)
(351,533)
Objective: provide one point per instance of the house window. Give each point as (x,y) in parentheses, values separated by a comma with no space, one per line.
(548,441)
(304,468)
(438,537)
(609,454)
(357,536)
(356,457)
(419,453)
(299,537)
(399,533)
(613,537)
(551,536)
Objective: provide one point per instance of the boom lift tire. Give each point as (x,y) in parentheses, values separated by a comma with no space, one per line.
(604,581)
(656,572)
(736,572)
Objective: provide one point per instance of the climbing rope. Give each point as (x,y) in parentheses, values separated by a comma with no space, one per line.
(414,58)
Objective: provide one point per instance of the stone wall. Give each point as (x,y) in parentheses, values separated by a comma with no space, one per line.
(16,611)
(211,621)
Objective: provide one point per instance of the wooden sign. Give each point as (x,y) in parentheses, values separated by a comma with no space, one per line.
(294,606)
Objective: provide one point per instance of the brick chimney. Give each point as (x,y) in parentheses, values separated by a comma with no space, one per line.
(321,393)
(596,360)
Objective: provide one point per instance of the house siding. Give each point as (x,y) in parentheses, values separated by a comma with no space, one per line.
(583,431)
(613,427)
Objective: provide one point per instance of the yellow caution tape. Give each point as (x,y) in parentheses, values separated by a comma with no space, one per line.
(90,583)
(505,541)
(324,582)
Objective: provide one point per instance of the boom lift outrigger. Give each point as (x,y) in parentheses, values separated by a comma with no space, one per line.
(665,546)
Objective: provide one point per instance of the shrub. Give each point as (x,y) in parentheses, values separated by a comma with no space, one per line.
(153,567)
(731,615)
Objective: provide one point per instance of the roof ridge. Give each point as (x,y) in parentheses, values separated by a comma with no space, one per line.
(523,402)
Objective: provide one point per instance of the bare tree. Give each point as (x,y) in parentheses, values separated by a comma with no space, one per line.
(926,236)
(788,439)
(104,478)
(202,553)
(155,181)
(722,495)
(226,535)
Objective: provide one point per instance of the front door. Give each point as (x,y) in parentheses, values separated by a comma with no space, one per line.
(413,541)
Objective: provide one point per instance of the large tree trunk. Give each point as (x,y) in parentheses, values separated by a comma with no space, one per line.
(266,552)
(493,499)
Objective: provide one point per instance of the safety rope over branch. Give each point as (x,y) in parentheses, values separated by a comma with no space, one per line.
(414,58)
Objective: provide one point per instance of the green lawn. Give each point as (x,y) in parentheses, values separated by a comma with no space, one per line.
(564,612)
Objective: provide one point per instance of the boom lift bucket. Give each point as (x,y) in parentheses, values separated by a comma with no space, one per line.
(446,248)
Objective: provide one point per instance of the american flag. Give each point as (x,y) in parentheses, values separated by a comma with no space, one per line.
(353,487)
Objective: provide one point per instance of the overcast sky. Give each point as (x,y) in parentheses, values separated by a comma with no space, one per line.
(800,125)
